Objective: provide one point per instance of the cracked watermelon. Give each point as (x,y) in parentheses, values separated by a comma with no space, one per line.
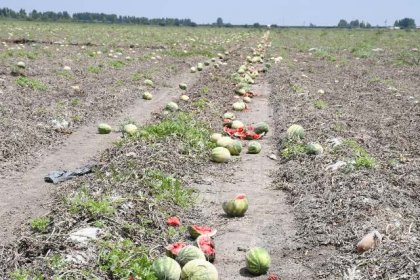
(206,245)
(172,250)
(195,231)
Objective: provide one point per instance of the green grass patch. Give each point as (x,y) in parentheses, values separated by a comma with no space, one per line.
(94,69)
(194,133)
(19,53)
(205,89)
(24,274)
(201,103)
(123,259)
(75,102)
(362,157)
(296,88)
(31,83)
(84,202)
(117,64)
(136,77)
(408,58)
(323,54)
(65,74)
(167,188)
(181,53)
(40,224)
(320,104)
(292,149)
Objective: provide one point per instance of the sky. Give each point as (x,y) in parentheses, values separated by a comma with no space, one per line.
(281,12)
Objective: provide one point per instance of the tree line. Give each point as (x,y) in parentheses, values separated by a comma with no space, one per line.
(91,17)
(404,23)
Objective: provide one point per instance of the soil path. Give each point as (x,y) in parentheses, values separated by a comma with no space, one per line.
(269,220)
(27,195)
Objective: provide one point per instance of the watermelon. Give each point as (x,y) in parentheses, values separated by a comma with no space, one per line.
(166,268)
(195,231)
(237,124)
(172,107)
(254,147)
(261,127)
(215,136)
(258,261)
(239,106)
(130,129)
(147,96)
(224,141)
(314,149)
(183,86)
(235,148)
(172,250)
(148,83)
(220,154)
(206,245)
(236,207)
(104,128)
(296,131)
(189,253)
(199,270)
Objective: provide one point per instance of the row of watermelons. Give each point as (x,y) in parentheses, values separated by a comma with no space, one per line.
(194,261)
(131,129)
(190,261)
(229,144)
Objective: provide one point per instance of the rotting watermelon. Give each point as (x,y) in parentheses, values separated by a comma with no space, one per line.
(172,250)
(236,207)
(206,244)
(195,231)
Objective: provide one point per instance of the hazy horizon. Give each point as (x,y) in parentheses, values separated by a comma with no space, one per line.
(298,12)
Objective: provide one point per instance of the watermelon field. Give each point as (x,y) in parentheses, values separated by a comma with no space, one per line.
(208,153)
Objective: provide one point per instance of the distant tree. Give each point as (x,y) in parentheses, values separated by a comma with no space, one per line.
(274,26)
(312,25)
(343,23)
(354,23)
(219,22)
(362,24)
(22,13)
(368,25)
(405,23)
(256,25)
